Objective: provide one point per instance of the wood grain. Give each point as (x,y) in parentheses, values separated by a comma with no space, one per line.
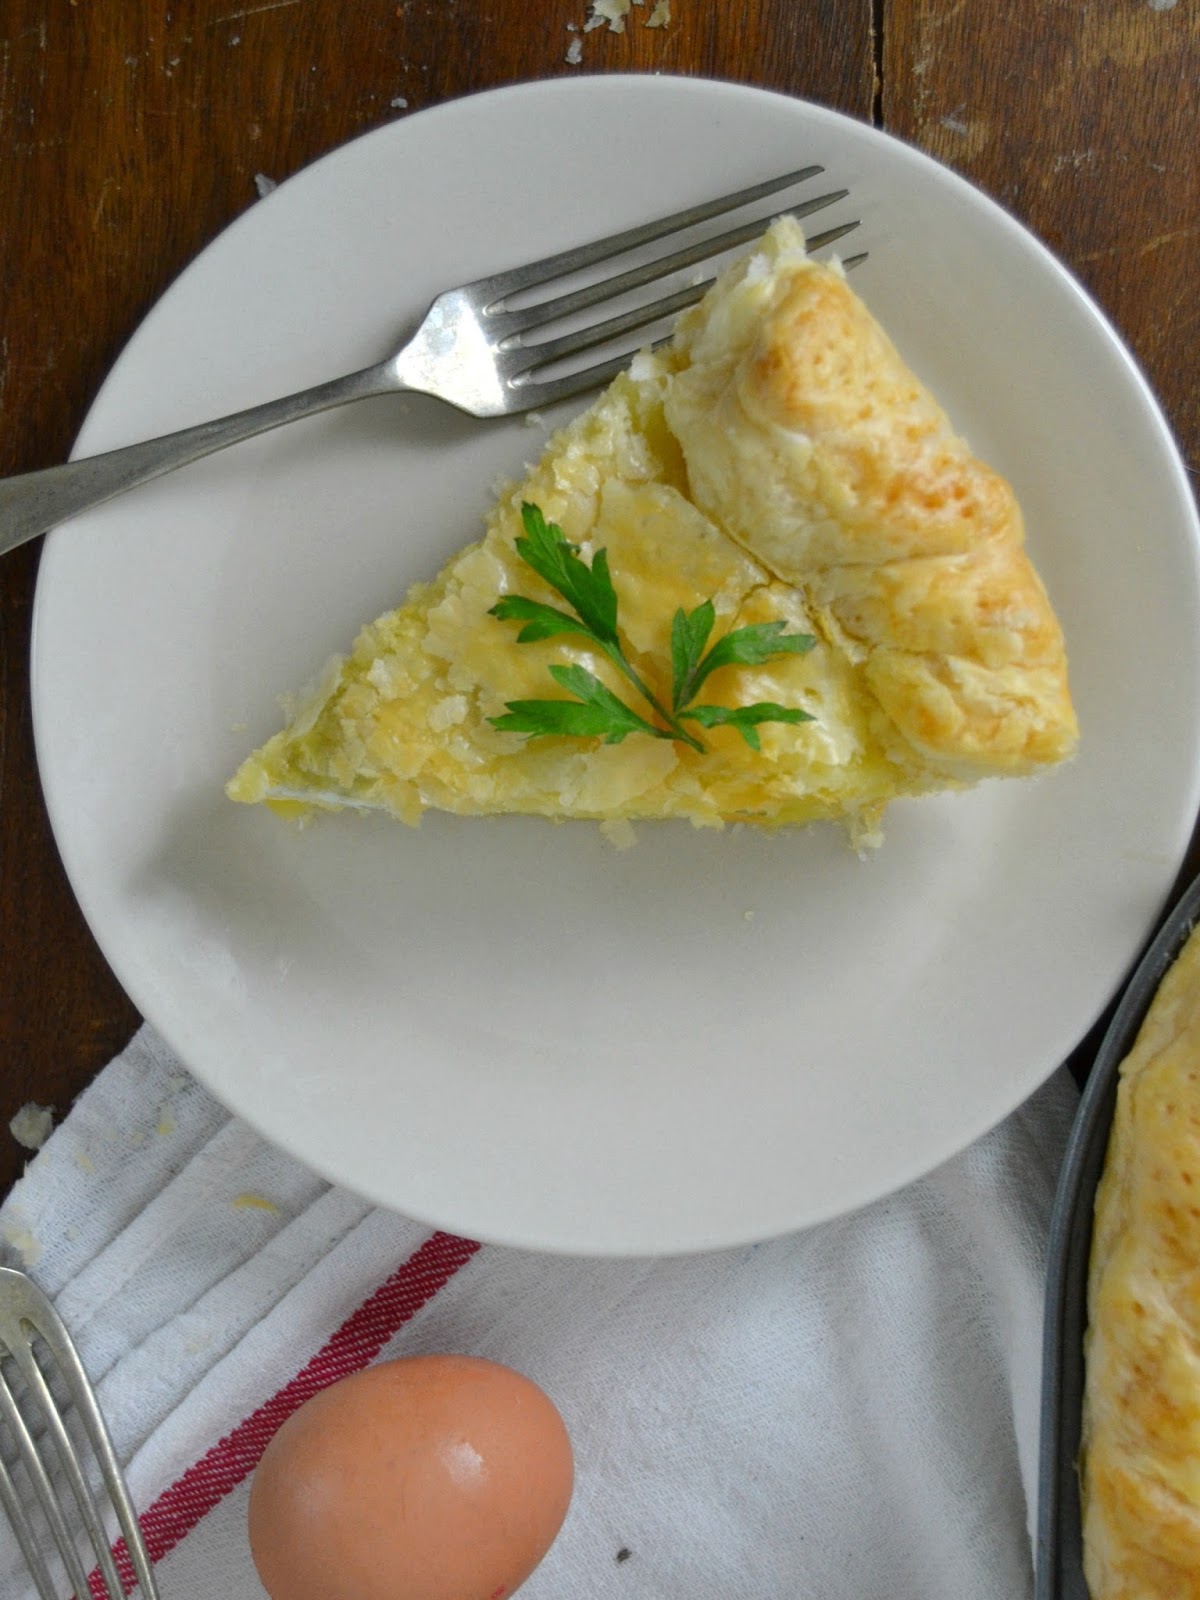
(1080,119)
(130,135)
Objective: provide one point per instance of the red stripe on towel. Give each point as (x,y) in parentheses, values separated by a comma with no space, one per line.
(355,1344)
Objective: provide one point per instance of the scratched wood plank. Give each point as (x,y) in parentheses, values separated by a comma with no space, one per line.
(131,134)
(1080,118)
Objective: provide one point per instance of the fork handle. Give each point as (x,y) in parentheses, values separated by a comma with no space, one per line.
(34,502)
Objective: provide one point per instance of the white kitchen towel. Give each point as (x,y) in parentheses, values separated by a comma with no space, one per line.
(846,1413)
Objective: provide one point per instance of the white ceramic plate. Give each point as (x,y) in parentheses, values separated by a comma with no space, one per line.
(513,1030)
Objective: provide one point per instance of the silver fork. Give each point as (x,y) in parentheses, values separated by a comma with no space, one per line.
(27,1315)
(474,349)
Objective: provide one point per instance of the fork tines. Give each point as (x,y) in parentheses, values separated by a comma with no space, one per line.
(46,1456)
(517,321)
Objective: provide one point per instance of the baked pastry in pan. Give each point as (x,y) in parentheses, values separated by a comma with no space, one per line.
(776,461)
(1140,1446)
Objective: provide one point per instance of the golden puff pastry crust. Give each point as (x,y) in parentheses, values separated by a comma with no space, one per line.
(809,440)
(780,458)
(1140,1457)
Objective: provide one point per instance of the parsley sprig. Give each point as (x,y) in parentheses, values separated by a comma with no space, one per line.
(593,710)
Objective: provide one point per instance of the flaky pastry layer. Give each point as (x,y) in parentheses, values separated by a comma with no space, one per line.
(1140,1462)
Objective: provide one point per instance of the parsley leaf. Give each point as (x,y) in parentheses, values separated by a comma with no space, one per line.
(541,622)
(689,635)
(588,589)
(593,709)
(746,718)
(750,646)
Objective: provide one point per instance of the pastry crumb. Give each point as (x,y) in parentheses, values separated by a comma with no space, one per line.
(23,1240)
(574,52)
(612,12)
(254,1202)
(620,833)
(32,1125)
(660,17)
(264,185)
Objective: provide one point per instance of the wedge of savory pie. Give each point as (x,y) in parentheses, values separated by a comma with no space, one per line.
(1140,1458)
(778,461)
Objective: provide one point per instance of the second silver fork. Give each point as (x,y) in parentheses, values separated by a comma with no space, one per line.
(474,349)
(44,1455)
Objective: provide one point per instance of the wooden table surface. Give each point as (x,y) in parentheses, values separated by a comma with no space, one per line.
(132,132)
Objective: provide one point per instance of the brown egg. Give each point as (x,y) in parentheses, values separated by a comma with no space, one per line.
(428,1478)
